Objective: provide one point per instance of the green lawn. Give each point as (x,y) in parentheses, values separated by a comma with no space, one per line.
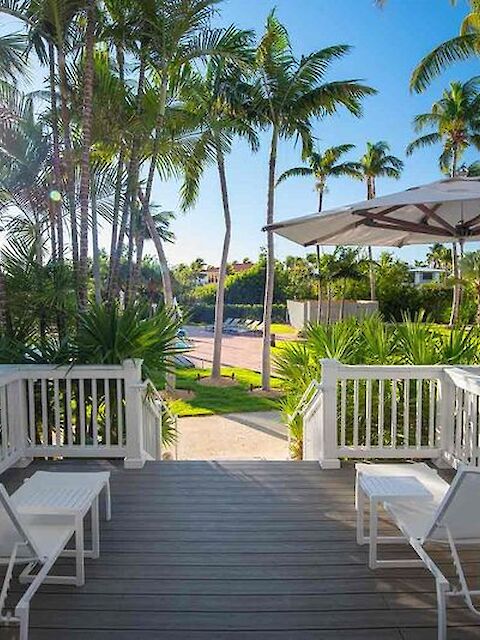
(283,329)
(212,400)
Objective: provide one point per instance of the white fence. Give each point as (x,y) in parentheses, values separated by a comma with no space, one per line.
(388,412)
(99,411)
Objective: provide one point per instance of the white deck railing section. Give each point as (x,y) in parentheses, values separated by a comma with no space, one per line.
(99,411)
(393,412)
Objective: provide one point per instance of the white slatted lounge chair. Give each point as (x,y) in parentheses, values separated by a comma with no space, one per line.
(454,521)
(37,541)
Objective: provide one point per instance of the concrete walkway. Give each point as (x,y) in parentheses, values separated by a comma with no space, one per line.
(257,435)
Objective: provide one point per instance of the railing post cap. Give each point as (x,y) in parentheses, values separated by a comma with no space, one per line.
(132,363)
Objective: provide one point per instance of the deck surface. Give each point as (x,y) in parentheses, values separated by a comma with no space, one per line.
(236,550)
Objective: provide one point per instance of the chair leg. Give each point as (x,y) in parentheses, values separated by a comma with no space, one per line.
(79,552)
(108,501)
(95,529)
(441,611)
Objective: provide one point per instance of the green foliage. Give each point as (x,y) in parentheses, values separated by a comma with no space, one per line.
(415,341)
(109,335)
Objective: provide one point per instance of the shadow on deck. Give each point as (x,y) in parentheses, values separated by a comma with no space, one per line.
(236,551)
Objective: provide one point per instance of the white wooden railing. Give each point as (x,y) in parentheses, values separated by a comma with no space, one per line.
(77,411)
(387,412)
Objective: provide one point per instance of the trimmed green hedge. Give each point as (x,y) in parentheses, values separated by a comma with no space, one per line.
(206,312)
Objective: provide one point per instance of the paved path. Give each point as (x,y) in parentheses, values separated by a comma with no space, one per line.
(256,435)
(237,351)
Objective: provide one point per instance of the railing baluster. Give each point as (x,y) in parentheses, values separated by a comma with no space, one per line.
(107,413)
(431,413)
(343,411)
(458,422)
(94,413)
(68,408)
(119,413)
(381,412)
(56,411)
(81,411)
(419,415)
(393,421)
(406,413)
(43,395)
(368,413)
(31,412)
(355,413)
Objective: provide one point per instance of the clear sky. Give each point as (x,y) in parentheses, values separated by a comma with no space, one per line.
(387,45)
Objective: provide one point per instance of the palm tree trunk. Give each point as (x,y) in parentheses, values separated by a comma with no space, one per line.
(220,298)
(132,185)
(342,301)
(95,249)
(319,284)
(477,319)
(329,303)
(455,312)
(371,270)
(57,172)
(457,289)
(116,212)
(137,267)
(270,266)
(84,196)
(162,258)
(153,165)
(68,159)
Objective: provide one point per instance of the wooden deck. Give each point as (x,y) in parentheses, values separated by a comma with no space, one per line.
(236,551)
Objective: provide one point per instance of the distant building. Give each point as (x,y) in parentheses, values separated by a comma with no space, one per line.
(426,275)
(210,275)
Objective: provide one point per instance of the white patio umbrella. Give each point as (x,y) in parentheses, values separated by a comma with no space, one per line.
(443,211)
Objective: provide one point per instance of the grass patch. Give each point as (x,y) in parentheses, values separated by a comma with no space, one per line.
(210,400)
(283,329)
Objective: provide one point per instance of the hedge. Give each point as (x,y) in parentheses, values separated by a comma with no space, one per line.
(206,312)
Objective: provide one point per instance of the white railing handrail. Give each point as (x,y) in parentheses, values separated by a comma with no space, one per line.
(304,401)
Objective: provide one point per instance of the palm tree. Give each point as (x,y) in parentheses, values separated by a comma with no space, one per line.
(324,166)
(470,264)
(12,56)
(456,125)
(439,257)
(377,162)
(462,47)
(347,266)
(453,121)
(159,232)
(217,100)
(288,94)
(84,191)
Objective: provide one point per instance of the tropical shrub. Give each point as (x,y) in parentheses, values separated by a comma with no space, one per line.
(415,341)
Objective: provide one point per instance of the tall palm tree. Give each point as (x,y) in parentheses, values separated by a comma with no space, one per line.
(439,257)
(375,163)
(453,122)
(288,93)
(217,100)
(462,47)
(84,190)
(324,165)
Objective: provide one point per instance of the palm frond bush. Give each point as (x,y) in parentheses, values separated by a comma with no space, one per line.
(415,341)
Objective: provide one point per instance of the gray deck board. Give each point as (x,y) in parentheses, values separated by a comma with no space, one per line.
(237,551)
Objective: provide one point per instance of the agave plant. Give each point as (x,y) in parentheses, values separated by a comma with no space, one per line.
(108,334)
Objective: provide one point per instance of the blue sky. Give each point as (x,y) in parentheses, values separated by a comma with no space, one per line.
(387,44)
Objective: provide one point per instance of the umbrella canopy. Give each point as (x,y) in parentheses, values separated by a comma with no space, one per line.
(443,211)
